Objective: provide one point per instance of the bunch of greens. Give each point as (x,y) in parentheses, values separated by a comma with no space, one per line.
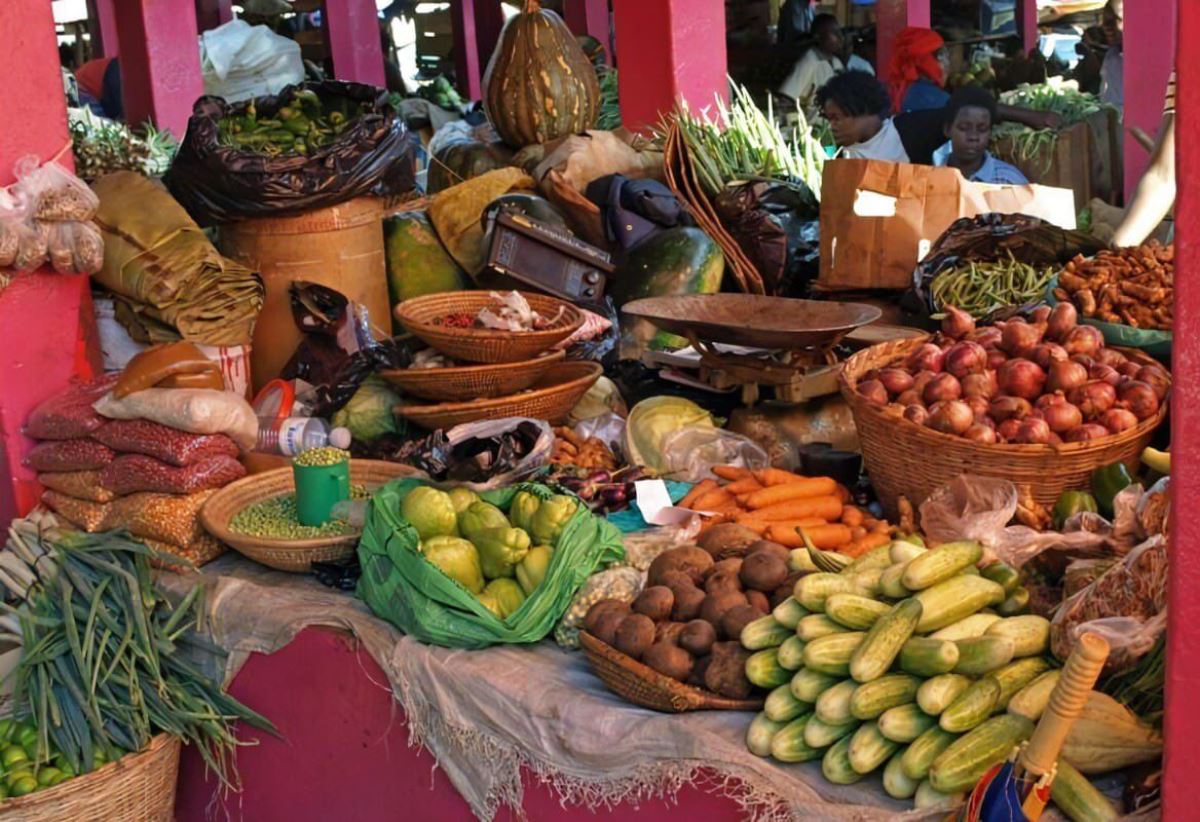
(102,146)
(609,117)
(1028,144)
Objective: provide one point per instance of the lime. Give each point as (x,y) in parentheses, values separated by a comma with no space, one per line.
(3,792)
(46,776)
(58,780)
(12,755)
(28,738)
(21,773)
(24,785)
(7,726)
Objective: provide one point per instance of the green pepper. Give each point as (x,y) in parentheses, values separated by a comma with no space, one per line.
(1070,503)
(500,549)
(1107,482)
(297,125)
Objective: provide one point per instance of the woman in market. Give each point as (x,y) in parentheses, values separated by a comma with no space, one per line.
(969,118)
(821,62)
(856,106)
(917,70)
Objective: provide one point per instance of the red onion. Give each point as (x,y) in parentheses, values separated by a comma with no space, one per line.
(1117,420)
(1129,368)
(917,414)
(1111,357)
(1033,432)
(1048,353)
(910,397)
(1107,373)
(1093,398)
(1062,417)
(872,374)
(1008,429)
(942,387)
(874,391)
(1019,338)
(1002,409)
(896,380)
(965,358)
(1040,315)
(1064,376)
(1084,339)
(1140,398)
(1156,377)
(926,358)
(1021,378)
(978,432)
(957,323)
(1085,432)
(922,379)
(1047,400)
(996,358)
(1062,321)
(980,385)
(1083,359)
(979,407)
(988,337)
(950,417)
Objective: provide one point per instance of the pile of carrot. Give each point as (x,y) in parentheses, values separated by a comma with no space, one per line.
(777,504)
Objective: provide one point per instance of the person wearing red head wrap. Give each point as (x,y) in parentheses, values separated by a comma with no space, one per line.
(917,70)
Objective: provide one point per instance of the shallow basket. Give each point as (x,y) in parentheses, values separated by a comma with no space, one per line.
(470,382)
(288,555)
(642,685)
(552,397)
(138,787)
(486,345)
(906,459)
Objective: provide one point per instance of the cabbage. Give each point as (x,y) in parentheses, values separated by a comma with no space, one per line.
(368,414)
(652,420)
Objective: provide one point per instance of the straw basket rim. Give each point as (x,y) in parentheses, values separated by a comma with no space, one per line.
(454,383)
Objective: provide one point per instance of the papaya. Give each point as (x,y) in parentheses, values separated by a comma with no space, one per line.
(417,263)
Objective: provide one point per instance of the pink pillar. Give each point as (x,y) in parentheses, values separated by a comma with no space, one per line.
(104,32)
(477,26)
(160,62)
(1150,44)
(890,17)
(213,13)
(1027,24)
(589,17)
(668,50)
(353,32)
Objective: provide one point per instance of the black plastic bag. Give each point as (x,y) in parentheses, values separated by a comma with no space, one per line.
(216,183)
(771,222)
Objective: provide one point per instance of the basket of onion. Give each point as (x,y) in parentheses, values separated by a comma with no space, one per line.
(1040,401)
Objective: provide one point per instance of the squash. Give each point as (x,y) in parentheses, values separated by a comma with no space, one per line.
(1108,736)
(417,262)
(460,158)
(539,84)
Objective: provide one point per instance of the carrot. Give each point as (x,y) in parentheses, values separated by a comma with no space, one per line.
(758,526)
(881,527)
(844,493)
(712,500)
(860,546)
(698,490)
(743,486)
(852,516)
(772,495)
(828,508)
(857,532)
(822,536)
(732,473)
(776,476)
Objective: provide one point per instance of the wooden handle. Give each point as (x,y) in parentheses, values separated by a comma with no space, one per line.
(1066,701)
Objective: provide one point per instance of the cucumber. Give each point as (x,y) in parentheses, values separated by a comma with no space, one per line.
(949,601)
(904,723)
(807,686)
(868,581)
(901,551)
(811,591)
(869,748)
(800,562)
(875,558)
(890,584)
(815,626)
(926,798)
(983,654)
(924,749)
(835,766)
(781,706)
(791,653)
(857,613)
(959,767)
(871,699)
(1031,701)
(1030,634)
(936,694)
(763,669)
(928,657)
(831,654)
(833,706)
(1003,574)
(940,564)
(764,633)
(1016,675)
(882,644)
(1078,798)
(760,733)
(821,734)
(895,782)
(972,706)
(789,612)
(788,744)
(968,627)
(1016,602)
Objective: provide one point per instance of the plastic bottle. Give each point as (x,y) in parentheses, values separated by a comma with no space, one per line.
(293,435)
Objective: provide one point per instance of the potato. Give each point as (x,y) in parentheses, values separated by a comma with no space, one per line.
(715,606)
(733,565)
(668,632)
(687,603)
(676,579)
(655,602)
(723,583)
(783,591)
(601,608)
(760,602)
(737,618)
(606,626)
(763,571)
(634,635)
(766,546)
(697,637)
(699,669)
(669,660)
(726,671)
(691,561)
(727,539)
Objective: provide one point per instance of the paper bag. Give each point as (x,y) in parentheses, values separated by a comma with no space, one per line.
(879,219)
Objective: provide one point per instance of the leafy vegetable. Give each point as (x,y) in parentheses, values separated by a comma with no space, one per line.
(368,415)
(1065,100)
(609,117)
(102,146)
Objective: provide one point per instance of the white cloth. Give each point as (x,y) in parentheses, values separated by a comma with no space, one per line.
(1112,78)
(856,63)
(810,73)
(885,145)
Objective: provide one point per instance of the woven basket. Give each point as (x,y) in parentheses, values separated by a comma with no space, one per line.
(470,382)
(488,345)
(552,398)
(288,555)
(138,787)
(642,685)
(906,459)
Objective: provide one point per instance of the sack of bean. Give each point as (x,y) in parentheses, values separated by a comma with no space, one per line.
(81,454)
(204,549)
(168,518)
(83,485)
(130,473)
(163,443)
(85,515)
(195,410)
(69,414)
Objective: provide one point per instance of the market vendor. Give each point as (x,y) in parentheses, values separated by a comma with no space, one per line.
(821,62)
(856,106)
(1155,194)
(969,117)
(1112,70)
(917,71)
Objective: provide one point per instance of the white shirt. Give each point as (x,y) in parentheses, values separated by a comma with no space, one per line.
(885,145)
(810,73)
(1112,78)
(856,63)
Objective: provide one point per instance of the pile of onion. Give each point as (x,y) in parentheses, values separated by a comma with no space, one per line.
(1046,379)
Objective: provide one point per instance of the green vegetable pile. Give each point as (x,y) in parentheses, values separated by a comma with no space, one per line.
(276,518)
(102,146)
(441,93)
(20,769)
(979,288)
(1031,144)
(609,117)
(324,457)
(301,127)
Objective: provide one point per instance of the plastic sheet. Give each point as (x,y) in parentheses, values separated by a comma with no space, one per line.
(130,473)
(690,453)
(170,445)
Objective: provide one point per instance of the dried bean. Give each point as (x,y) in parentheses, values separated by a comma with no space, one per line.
(88,516)
(83,485)
(168,518)
(81,454)
(323,457)
(69,414)
(167,444)
(130,473)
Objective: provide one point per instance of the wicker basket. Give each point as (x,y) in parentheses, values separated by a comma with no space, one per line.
(470,382)
(488,345)
(641,685)
(906,459)
(285,555)
(138,787)
(552,398)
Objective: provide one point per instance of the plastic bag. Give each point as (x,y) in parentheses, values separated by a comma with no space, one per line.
(51,193)
(204,548)
(194,410)
(83,485)
(83,514)
(690,453)
(609,428)
(81,454)
(131,473)
(771,223)
(218,183)
(69,414)
(622,584)
(168,518)
(33,240)
(161,442)
(402,587)
(240,61)
(75,247)
(505,451)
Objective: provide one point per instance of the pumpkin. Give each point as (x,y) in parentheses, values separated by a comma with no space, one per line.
(539,84)
(462,157)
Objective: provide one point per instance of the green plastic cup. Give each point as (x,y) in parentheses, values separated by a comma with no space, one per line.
(318,489)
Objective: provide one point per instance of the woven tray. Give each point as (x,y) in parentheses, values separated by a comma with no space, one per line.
(906,459)
(470,382)
(285,555)
(138,787)
(642,685)
(551,399)
(484,344)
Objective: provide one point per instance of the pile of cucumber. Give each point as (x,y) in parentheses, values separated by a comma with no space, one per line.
(910,660)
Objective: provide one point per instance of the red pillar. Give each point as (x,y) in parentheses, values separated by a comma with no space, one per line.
(213,13)
(1028,24)
(890,17)
(477,26)
(103,23)
(589,17)
(1150,32)
(353,31)
(160,62)
(668,50)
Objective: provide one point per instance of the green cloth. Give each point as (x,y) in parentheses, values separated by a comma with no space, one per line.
(400,586)
(1155,343)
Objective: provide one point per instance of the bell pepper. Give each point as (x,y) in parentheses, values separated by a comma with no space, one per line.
(551,518)
(1070,503)
(500,549)
(1107,482)
(533,568)
(508,594)
(479,517)
(457,559)
(524,506)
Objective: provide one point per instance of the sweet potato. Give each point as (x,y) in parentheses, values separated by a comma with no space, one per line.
(726,540)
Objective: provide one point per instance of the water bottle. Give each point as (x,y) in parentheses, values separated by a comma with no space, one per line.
(294,435)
